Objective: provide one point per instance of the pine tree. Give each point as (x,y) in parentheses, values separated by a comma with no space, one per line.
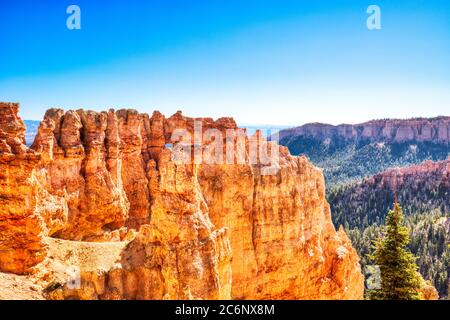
(398,269)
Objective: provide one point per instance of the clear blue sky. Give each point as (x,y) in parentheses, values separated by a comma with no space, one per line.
(262,62)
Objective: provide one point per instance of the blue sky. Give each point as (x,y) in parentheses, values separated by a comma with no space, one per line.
(262,62)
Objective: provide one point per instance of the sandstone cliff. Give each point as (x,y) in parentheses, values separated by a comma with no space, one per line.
(426,173)
(390,130)
(104,192)
(21,222)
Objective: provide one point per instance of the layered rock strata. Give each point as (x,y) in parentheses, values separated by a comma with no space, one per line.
(191,229)
(435,130)
(21,221)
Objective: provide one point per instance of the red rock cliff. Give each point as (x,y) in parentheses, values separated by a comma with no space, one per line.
(110,181)
(21,224)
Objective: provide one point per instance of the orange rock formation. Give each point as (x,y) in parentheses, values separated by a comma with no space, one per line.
(21,221)
(103,191)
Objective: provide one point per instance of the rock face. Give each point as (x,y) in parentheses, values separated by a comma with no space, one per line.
(191,229)
(21,222)
(428,292)
(426,173)
(80,165)
(390,130)
(284,245)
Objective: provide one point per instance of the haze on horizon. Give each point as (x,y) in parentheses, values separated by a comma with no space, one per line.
(262,62)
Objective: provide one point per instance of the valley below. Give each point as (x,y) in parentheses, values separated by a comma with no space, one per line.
(368,166)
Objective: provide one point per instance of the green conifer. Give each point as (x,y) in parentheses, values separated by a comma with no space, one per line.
(400,279)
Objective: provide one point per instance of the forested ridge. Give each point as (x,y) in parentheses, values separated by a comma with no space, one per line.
(364,178)
(430,243)
(345,161)
(418,188)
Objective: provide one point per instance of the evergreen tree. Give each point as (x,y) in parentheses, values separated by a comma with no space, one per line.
(399,272)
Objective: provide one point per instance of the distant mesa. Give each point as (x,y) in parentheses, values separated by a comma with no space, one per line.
(391,130)
(350,152)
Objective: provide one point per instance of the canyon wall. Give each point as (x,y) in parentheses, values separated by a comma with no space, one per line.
(186,230)
(21,225)
(435,130)
(418,176)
